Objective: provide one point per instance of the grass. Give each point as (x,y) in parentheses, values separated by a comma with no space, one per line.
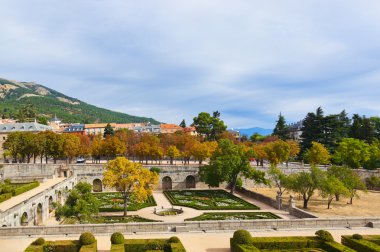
(113,202)
(107,220)
(235,216)
(208,200)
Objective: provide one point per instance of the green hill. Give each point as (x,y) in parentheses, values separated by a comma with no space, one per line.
(14,95)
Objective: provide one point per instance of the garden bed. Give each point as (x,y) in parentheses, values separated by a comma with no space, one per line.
(172,244)
(235,216)
(114,202)
(107,220)
(208,200)
(9,190)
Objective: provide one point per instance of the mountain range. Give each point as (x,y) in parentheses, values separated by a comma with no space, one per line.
(250,131)
(48,102)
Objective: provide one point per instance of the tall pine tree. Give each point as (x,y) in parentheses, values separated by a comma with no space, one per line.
(281,129)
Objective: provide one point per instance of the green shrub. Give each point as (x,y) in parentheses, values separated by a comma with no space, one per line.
(296,242)
(174,239)
(39,241)
(324,235)
(86,238)
(335,247)
(117,238)
(242,237)
(360,245)
(25,188)
(357,236)
(4,197)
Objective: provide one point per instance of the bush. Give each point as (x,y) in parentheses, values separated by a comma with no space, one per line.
(86,238)
(24,188)
(4,197)
(174,239)
(242,237)
(360,245)
(155,169)
(357,236)
(117,238)
(39,241)
(324,235)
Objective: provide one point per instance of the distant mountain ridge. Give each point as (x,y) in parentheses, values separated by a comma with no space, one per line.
(49,102)
(250,131)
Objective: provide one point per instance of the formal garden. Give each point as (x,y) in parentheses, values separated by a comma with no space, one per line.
(242,241)
(9,190)
(119,244)
(114,202)
(208,200)
(235,216)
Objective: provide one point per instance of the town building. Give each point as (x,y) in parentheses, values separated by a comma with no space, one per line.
(295,131)
(235,133)
(170,128)
(76,129)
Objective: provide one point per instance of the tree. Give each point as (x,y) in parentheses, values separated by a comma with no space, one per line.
(172,152)
(183,123)
(317,154)
(134,181)
(354,183)
(108,131)
(305,183)
(202,151)
(281,129)
(71,146)
(352,152)
(294,149)
(312,129)
(256,138)
(80,203)
(112,147)
(332,186)
(278,178)
(277,152)
(210,126)
(374,156)
(228,162)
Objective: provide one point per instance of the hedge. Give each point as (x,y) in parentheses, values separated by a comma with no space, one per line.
(372,238)
(360,245)
(145,245)
(62,246)
(5,196)
(25,188)
(335,247)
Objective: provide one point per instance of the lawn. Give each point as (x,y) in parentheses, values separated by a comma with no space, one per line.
(107,220)
(235,216)
(208,200)
(113,202)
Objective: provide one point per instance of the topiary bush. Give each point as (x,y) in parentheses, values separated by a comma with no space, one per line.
(117,238)
(39,241)
(86,238)
(357,236)
(324,235)
(174,239)
(242,237)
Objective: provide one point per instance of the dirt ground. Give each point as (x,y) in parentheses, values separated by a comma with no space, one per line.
(368,203)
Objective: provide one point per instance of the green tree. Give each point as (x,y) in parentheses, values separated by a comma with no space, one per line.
(80,203)
(210,126)
(374,156)
(312,129)
(134,181)
(278,178)
(228,162)
(281,129)
(305,183)
(352,152)
(317,154)
(332,186)
(277,152)
(108,131)
(183,123)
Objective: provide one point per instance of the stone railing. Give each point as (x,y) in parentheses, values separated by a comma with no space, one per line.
(193,226)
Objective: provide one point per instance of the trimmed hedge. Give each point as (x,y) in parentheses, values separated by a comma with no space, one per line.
(145,245)
(62,246)
(117,238)
(5,196)
(25,188)
(335,247)
(360,245)
(86,238)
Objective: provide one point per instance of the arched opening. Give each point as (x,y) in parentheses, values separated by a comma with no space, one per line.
(39,214)
(190,181)
(66,188)
(166,183)
(97,185)
(24,221)
(51,204)
(4,226)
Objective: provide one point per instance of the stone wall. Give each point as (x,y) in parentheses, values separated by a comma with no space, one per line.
(199,226)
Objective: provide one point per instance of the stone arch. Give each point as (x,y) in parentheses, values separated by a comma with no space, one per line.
(190,181)
(97,185)
(4,226)
(167,183)
(24,220)
(51,204)
(39,214)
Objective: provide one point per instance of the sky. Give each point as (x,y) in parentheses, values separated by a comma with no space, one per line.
(171,59)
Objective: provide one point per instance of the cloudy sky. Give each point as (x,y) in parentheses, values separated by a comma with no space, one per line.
(170,60)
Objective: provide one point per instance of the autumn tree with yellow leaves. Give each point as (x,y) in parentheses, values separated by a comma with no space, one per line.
(132,180)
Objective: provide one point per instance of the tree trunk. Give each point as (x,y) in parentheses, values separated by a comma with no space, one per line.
(305,201)
(351,200)
(125,204)
(233,185)
(337,198)
(171,160)
(329,202)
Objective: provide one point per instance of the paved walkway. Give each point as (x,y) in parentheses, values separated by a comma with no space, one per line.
(193,242)
(29,194)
